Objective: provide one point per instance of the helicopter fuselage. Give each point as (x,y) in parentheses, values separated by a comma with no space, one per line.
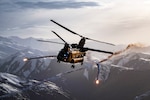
(71,56)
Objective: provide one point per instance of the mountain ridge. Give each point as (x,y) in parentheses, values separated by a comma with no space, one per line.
(124,76)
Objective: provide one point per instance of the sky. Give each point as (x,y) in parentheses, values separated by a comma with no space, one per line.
(114,21)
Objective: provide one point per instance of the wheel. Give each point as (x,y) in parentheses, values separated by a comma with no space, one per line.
(73,66)
(72,61)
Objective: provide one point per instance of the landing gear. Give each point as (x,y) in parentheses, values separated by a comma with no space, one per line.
(58,61)
(81,63)
(72,66)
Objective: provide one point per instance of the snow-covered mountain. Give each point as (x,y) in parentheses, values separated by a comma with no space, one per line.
(13,50)
(8,47)
(136,58)
(14,63)
(11,45)
(124,76)
(35,44)
(15,88)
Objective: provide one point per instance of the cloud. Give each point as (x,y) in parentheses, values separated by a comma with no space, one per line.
(25,14)
(56,4)
(15,5)
(113,21)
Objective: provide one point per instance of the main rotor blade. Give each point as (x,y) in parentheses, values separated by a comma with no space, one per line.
(60,37)
(27,59)
(100,41)
(98,50)
(66,28)
(50,41)
(81,35)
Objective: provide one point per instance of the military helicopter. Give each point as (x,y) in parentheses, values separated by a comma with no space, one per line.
(71,53)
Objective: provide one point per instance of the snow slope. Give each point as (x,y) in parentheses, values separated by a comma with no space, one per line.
(14,87)
(14,64)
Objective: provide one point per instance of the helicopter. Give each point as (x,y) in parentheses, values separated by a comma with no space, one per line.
(71,53)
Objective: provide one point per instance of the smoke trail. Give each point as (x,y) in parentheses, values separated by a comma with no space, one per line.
(122,67)
(91,62)
(86,74)
(130,46)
